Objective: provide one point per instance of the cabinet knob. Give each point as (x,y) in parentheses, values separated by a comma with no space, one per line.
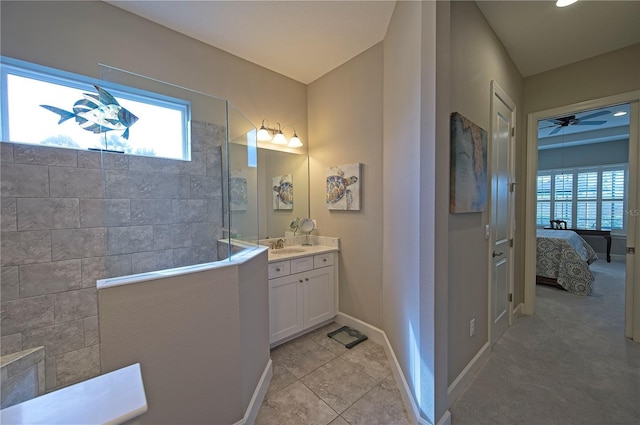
(324,259)
(278,269)
(300,281)
(306,278)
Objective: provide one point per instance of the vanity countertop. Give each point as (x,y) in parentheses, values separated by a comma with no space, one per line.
(294,246)
(295,251)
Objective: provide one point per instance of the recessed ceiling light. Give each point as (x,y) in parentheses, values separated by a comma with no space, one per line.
(619,114)
(564,3)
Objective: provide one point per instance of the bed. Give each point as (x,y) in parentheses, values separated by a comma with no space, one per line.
(563,258)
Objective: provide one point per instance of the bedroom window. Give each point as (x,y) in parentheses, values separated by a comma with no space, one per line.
(45,106)
(586,198)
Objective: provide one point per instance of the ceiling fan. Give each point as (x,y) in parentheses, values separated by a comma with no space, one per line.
(573,120)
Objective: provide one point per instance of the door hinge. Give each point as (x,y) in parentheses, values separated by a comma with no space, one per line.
(513,131)
(510,243)
(510,298)
(512,187)
(631,250)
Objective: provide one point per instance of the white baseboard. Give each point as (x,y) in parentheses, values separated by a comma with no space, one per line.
(378,336)
(445,419)
(258,395)
(518,310)
(467,373)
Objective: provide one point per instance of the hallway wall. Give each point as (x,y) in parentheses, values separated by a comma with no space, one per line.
(345,126)
(477,57)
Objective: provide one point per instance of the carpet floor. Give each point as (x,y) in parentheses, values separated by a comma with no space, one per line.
(569,364)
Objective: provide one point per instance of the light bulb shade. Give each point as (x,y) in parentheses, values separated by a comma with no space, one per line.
(295,142)
(263,135)
(279,139)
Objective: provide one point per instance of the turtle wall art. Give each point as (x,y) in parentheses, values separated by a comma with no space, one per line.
(343,187)
(283,192)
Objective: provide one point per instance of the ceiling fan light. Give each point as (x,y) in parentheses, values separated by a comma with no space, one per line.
(565,3)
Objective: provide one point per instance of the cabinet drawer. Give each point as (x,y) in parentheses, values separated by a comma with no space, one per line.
(322,260)
(301,264)
(281,268)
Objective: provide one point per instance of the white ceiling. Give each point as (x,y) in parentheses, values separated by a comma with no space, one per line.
(300,39)
(306,39)
(540,36)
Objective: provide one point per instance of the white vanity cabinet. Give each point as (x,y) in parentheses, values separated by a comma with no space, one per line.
(302,294)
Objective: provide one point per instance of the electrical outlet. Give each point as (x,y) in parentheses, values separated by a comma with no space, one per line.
(472,328)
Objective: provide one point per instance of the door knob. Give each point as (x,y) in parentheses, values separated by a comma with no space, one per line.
(497,254)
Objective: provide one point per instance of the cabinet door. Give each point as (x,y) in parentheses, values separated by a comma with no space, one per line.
(319,299)
(285,307)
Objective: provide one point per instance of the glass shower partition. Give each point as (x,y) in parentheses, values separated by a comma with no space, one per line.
(172,161)
(240,185)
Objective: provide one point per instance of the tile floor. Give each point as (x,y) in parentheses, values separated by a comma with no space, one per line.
(316,380)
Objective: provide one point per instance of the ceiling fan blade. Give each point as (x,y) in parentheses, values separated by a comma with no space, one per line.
(555,131)
(590,122)
(595,114)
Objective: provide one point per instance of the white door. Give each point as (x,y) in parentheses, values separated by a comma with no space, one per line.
(632,287)
(502,219)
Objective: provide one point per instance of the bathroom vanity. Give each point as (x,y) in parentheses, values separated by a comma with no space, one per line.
(303,289)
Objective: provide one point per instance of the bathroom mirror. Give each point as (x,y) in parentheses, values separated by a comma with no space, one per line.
(283,190)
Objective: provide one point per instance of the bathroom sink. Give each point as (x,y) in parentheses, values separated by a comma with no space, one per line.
(287,251)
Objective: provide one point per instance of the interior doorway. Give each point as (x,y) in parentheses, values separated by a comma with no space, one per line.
(556,121)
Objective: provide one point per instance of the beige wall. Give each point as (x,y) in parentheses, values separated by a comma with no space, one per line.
(415,283)
(477,57)
(77,36)
(605,75)
(194,372)
(345,126)
(401,163)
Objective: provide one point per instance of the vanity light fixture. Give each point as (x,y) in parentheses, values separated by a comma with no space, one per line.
(278,138)
(564,3)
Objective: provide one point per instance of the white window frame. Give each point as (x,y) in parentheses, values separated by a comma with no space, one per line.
(574,198)
(68,79)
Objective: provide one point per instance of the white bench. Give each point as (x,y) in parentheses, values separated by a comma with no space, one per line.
(113,398)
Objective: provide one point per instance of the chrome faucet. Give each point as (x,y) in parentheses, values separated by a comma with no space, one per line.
(279,244)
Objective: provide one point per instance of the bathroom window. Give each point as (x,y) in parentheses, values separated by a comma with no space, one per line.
(50,107)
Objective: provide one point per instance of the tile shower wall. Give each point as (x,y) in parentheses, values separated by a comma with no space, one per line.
(71,217)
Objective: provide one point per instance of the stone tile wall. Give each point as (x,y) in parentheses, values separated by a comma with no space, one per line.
(71,217)
(22,376)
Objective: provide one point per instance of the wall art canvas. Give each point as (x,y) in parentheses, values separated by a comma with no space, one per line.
(283,192)
(238,190)
(468,172)
(343,187)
